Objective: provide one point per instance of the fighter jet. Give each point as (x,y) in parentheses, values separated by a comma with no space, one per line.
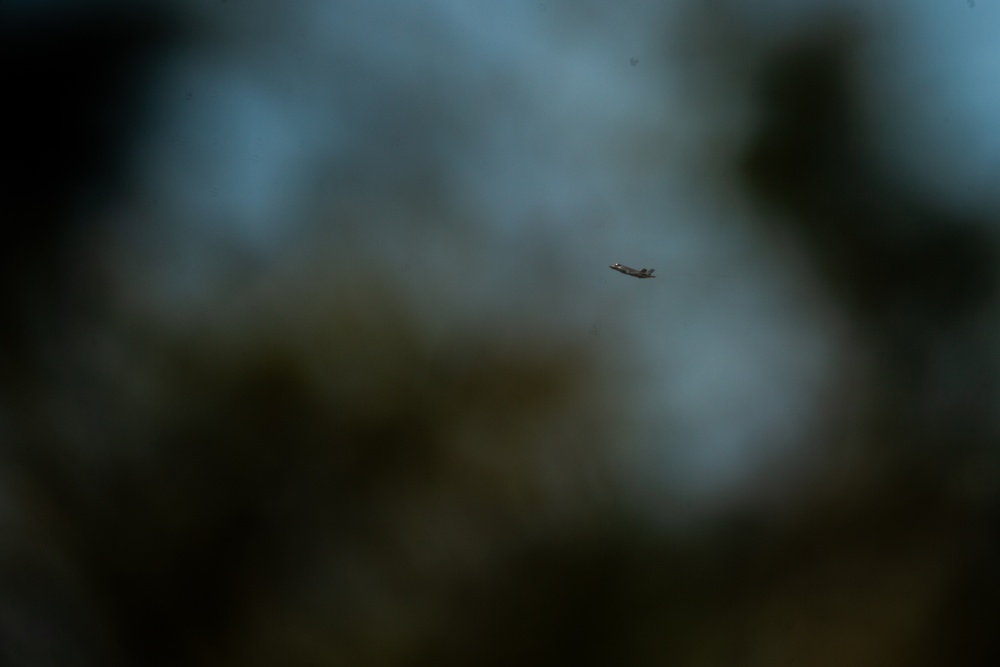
(635,273)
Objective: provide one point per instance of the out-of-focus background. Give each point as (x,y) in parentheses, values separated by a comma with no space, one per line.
(310,353)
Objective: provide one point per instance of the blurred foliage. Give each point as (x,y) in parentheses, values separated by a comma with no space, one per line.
(315,479)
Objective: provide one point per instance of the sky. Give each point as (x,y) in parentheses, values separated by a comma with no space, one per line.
(524,141)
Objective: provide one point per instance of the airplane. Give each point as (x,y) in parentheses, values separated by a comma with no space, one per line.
(635,273)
